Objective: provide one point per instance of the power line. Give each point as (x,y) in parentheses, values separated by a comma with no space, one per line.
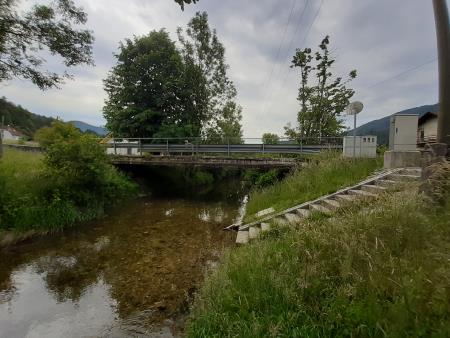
(402,73)
(294,3)
(290,46)
(304,38)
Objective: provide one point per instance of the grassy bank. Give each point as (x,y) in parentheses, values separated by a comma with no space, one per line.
(34,198)
(376,270)
(327,173)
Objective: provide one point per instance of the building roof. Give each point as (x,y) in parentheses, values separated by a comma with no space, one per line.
(427,116)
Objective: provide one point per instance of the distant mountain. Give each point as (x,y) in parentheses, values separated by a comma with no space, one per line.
(380,127)
(84,127)
(21,119)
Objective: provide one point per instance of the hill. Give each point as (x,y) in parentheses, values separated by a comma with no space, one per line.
(84,127)
(380,127)
(21,119)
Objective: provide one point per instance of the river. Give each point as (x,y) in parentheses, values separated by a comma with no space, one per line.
(134,273)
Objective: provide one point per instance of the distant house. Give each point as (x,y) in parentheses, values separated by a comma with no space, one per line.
(427,128)
(10,134)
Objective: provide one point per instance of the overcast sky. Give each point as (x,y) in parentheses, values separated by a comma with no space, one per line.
(379,38)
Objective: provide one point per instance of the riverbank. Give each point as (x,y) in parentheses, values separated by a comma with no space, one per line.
(324,174)
(375,269)
(34,202)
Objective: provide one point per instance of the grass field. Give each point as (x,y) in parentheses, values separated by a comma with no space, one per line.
(376,270)
(325,174)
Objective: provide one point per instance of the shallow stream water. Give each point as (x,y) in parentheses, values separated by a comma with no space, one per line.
(133,273)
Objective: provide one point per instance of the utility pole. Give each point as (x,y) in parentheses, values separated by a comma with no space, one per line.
(443,44)
(1,136)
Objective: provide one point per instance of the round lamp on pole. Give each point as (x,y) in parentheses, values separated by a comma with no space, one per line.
(354,109)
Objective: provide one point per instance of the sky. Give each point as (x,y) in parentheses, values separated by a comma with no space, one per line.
(391,44)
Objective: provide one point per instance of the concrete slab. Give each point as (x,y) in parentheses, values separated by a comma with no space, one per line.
(319,208)
(305,213)
(265,227)
(253,232)
(242,237)
(331,204)
(265,212)
(292,218)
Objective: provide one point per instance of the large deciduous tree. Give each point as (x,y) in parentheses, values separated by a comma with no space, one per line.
(54,28)
(150,90)
(323,99)
(201,47)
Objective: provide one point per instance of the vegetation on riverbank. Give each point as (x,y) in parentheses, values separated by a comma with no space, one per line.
(379,269)
(324,174)
(71,183)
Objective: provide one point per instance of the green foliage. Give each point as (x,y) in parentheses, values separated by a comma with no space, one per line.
(201,47)
(258,179)
(324,174)
(155,107)
(269,138)
(21,119)
(54,28)
(57,133)
(72,183)
(182,2)
(321,104)
(184,92)
(382,273)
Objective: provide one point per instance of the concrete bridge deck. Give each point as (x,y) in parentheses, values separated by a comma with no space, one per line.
(206,162)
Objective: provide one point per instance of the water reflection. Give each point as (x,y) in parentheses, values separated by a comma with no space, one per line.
(133,273)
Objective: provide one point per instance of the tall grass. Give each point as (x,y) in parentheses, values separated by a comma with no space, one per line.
(325,174)
(377,270)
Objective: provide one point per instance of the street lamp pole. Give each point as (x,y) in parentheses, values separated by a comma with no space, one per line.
(443,45)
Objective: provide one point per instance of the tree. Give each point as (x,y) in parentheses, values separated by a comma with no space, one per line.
(54,28)
(182,2)
(269,138)
(322,103)
(150,90)
(202,48)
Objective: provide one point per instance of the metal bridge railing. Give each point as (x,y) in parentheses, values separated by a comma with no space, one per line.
(137,146)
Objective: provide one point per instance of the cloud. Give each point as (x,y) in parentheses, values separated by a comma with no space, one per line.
(378,38)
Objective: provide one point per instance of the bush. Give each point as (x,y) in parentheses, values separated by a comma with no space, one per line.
(73,182)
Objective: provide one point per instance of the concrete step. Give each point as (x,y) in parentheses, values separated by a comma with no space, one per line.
(346,198)
(319,208)
(292,218)
(385,183)
(253,232)
(280,220)
(331,204)
(265,227)
(242,237)
(404,178)
(374,189)
(305,213)
(361,193)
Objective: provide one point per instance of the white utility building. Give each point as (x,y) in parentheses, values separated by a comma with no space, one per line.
(362,146)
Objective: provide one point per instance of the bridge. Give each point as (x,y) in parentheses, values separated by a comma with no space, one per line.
(193,152)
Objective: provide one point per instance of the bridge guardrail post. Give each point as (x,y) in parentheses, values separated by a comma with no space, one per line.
(115,149)
(140,148)
(167,146)
(228,141)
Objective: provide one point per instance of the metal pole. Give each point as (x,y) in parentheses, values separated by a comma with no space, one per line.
(115,150)
(354,135)
(443,44)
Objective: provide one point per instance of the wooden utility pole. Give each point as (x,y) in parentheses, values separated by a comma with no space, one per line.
(1,136)
(443,45)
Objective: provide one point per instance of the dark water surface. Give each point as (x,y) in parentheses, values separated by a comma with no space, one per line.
(132,274)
